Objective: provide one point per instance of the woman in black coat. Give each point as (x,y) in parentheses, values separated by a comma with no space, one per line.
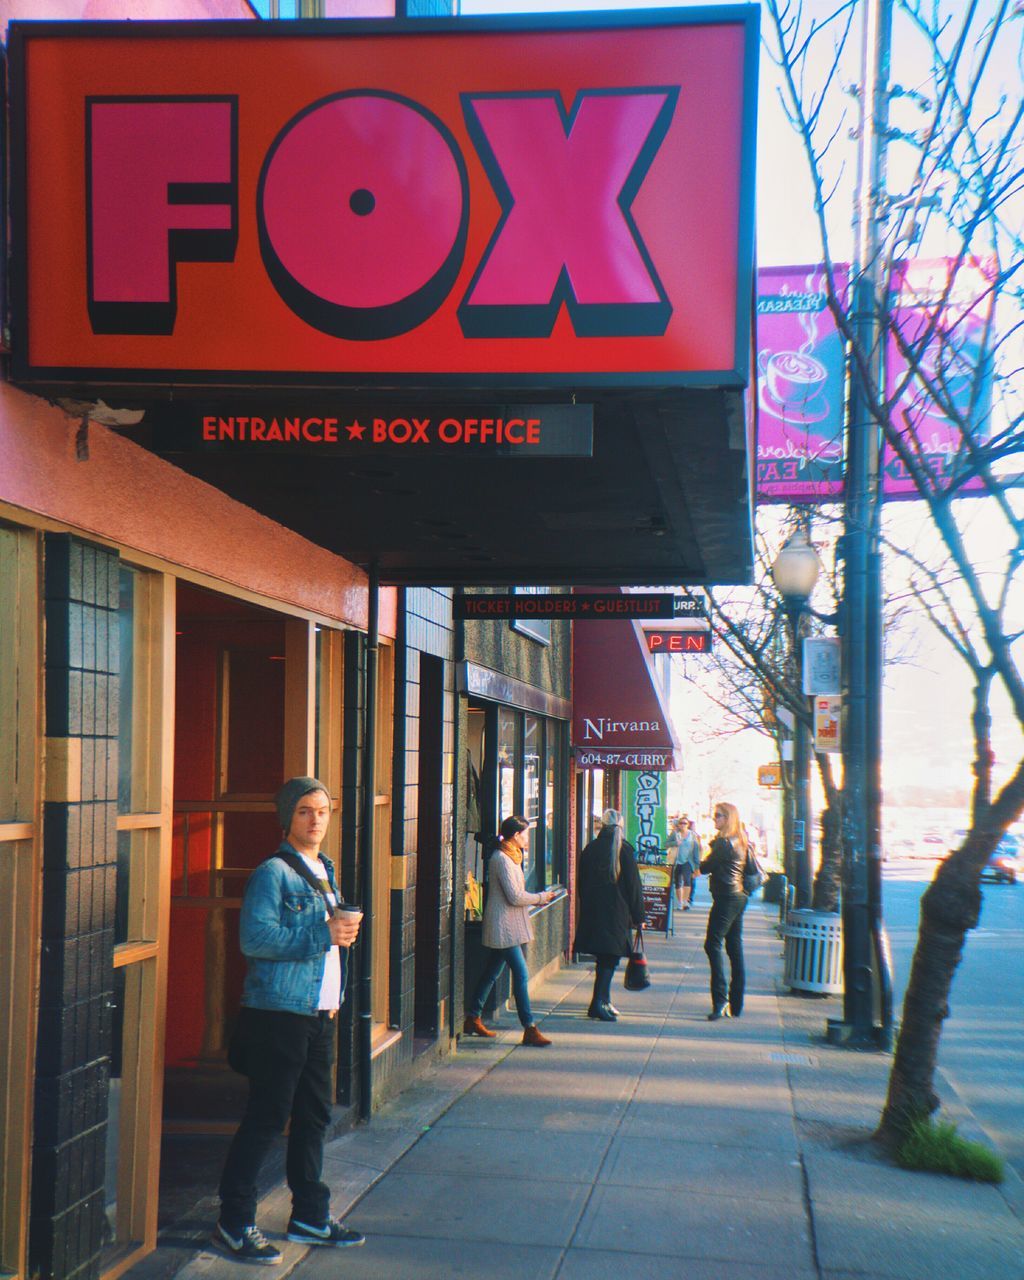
(610,901)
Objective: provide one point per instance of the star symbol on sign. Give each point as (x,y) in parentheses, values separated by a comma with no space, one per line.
(355,429)
(585,605)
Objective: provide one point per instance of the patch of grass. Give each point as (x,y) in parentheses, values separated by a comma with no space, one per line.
(936,1147)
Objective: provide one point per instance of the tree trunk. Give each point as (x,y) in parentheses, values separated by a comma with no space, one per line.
(829,878)
(950,907)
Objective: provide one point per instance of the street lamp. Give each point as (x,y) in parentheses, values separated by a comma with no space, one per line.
(795,574)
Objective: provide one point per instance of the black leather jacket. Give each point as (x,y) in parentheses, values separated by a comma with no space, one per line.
(724,864)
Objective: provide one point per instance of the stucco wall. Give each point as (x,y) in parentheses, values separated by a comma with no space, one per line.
(125,495)
(496,645)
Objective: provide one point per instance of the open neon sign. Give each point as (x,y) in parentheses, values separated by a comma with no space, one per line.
(678,641)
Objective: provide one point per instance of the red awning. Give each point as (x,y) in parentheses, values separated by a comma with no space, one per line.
(620,717)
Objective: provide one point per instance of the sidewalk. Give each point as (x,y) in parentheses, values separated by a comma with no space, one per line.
(662,1145)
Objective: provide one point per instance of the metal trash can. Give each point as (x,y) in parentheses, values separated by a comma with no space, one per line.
(813,954)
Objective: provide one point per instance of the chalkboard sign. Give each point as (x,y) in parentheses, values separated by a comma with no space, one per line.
(656,882)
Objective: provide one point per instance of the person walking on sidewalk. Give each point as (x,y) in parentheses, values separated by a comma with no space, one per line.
(610,900)
(507,929)
(686,867)
(296,949)
(724,864)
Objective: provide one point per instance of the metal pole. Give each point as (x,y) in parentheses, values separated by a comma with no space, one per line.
(862,580)
(801,769)
(366,849)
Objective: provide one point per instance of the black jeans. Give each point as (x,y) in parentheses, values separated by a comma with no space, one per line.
(725,929)
(603,974)
(288,1062)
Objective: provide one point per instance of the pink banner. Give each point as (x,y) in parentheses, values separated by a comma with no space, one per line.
(800,386)
(951,358)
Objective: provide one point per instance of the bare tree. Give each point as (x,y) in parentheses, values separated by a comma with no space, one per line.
(760,689)
(949,408)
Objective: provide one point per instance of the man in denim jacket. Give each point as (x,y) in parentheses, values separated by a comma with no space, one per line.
(296,949)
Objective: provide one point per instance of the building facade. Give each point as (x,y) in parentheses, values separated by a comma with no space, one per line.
(183,626)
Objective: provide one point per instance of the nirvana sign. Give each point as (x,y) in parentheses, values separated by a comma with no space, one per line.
(236,202)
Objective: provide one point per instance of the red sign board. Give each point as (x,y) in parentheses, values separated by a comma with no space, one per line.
(620,713)
(530,202)
(342,428)
(676,641)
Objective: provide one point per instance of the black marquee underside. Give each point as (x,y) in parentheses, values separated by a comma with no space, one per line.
(664,499)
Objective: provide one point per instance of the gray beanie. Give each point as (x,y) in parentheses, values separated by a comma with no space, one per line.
(290,795)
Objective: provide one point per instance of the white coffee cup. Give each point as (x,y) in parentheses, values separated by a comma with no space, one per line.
(793,378)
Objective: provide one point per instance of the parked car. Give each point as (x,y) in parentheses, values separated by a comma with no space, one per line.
(933,844)
(1004,864)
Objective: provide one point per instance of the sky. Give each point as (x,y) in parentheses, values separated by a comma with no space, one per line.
(927,695)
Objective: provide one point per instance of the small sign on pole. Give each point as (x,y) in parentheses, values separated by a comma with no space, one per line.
(769,775)
(827,721)
(822,664)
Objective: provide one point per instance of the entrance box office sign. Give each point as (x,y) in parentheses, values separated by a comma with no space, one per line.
(524,202)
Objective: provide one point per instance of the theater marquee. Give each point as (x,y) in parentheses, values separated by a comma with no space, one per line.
(526,203)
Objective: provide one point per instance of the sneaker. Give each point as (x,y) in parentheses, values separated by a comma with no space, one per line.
(251,1245)
(332,1233)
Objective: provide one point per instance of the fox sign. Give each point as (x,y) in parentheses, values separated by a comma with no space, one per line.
(492,202)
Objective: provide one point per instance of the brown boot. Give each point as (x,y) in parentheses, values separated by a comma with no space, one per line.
(475,1027)
(532,1036)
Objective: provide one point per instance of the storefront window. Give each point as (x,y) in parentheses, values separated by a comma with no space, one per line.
(528,774)
(533,868)
(508,759)
(552,774)
(597,805)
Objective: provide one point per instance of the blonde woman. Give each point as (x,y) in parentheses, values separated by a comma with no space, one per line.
(724,865)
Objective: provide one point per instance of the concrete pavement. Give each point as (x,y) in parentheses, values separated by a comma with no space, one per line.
(661,1145)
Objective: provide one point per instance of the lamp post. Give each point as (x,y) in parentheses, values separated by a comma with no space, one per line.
(795,574)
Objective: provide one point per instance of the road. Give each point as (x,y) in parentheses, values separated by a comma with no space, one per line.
(982,1046)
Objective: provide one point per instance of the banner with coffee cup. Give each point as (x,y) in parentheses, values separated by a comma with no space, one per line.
(800,379)
(942,311)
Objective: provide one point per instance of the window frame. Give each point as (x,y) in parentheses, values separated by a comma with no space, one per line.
(20,878)
(546,866)
(144,823)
